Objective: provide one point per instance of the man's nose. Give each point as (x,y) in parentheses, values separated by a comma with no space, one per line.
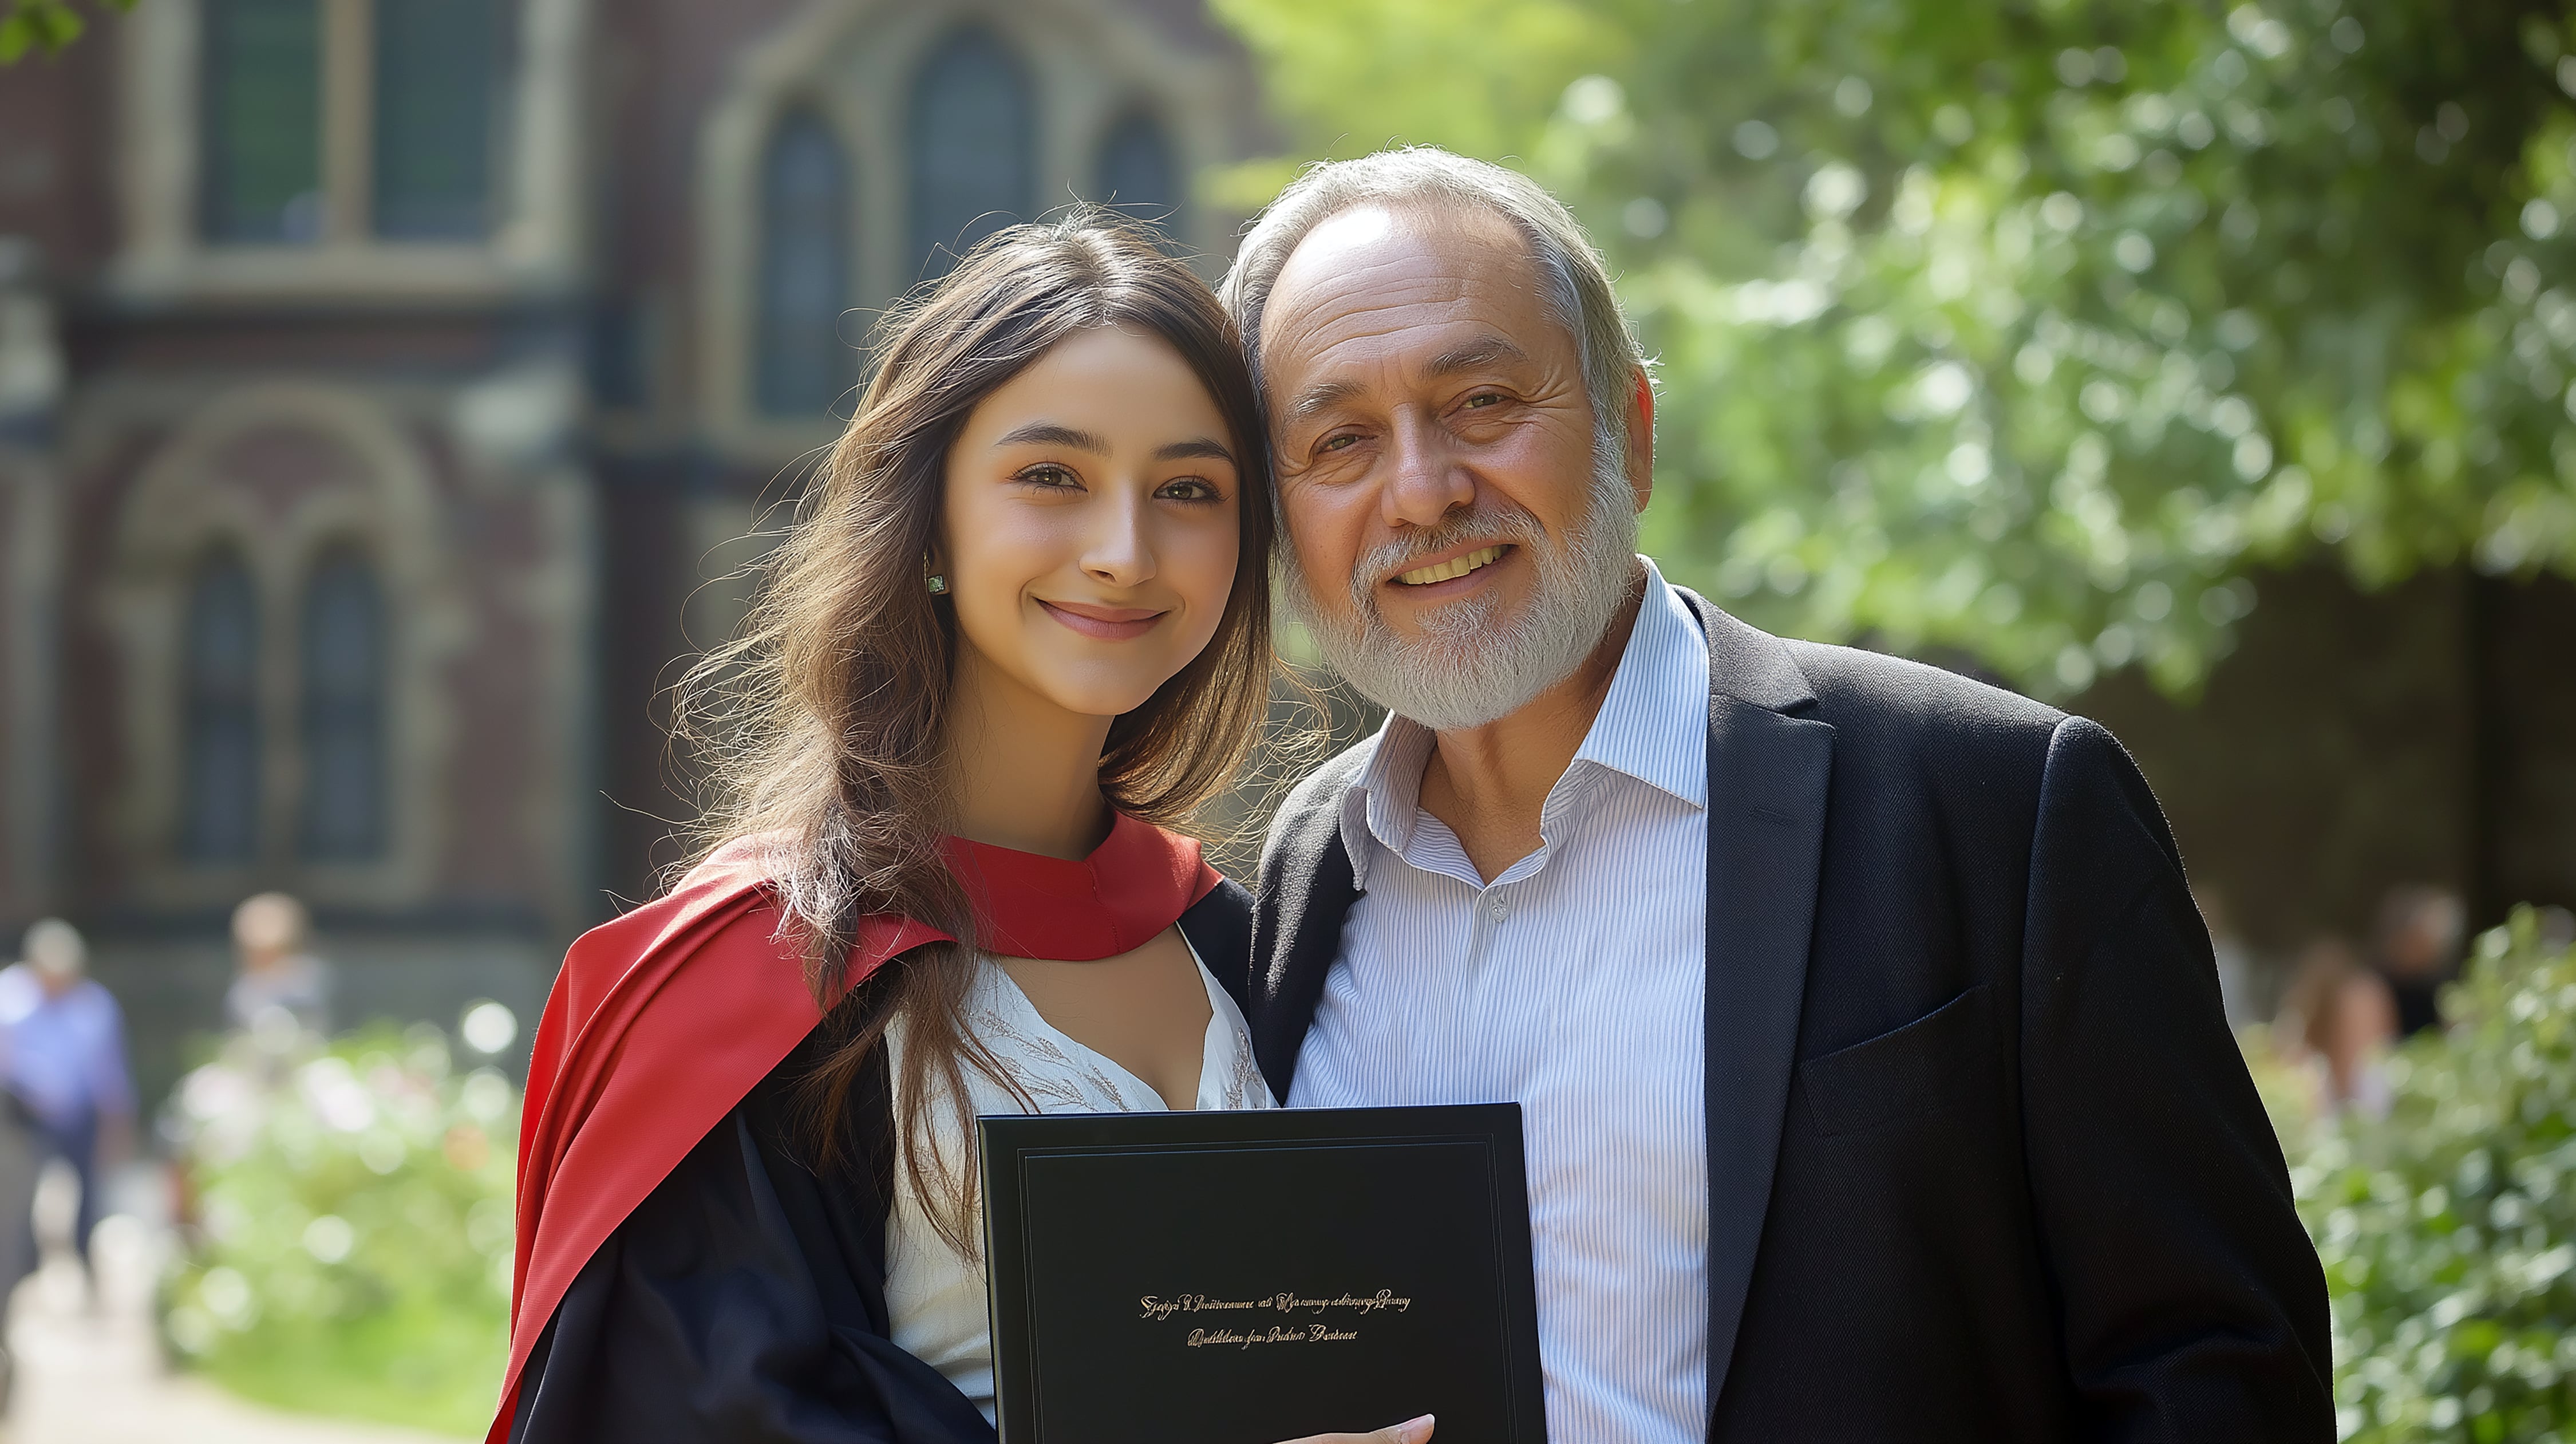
(1119,549)
(1424,482)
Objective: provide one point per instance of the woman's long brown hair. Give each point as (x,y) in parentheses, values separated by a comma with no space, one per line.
(825,721)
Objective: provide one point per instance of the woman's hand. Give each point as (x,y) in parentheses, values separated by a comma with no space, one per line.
(1412,1431)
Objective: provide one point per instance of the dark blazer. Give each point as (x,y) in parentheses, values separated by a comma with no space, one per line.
(1984,1162)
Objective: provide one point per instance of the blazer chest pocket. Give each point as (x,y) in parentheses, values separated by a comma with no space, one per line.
(1914,1069)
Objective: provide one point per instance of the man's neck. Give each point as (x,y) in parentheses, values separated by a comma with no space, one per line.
(1489,783)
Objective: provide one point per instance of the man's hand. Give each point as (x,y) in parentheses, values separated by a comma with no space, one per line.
(1412,1431)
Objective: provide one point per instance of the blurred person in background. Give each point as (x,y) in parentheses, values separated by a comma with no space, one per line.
(2339,1019)
(22,1160)
(2416,947)
(2557,928)
(276,980)
(65,1069)
(2235,961)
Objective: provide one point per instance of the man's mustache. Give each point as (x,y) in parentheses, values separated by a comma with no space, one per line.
(1498,521)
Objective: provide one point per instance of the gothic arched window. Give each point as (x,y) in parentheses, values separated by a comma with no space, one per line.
(803,365)
(973,146)
(438,69)
(259,175)
(1138,175)
(219,723)
(343,731)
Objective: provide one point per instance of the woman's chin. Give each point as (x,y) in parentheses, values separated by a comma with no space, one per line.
(1099,696)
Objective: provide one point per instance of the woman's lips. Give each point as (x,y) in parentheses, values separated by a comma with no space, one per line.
(1107,624)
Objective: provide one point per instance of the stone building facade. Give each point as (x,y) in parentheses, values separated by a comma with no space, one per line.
(389,390)
(387,386)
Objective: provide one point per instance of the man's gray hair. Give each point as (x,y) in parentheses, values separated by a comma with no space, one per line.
(1425,176)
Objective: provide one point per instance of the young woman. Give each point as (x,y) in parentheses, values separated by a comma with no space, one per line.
(1020,624)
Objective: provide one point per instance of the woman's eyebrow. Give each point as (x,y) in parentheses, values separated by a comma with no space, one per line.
(1197,446)
(1049,433)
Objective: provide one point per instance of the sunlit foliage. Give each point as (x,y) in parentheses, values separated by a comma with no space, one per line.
(351,1247)
(42,26)
(2448,1229)
(2029,329)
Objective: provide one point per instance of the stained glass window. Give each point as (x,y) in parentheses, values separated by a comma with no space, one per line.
(260,94)
(343,731)
(219,816)
(973,146)
(438,70)
(803,364)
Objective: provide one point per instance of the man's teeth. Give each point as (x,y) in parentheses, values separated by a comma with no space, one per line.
(1451,569)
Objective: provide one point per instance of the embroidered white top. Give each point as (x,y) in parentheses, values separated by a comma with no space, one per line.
(1574,983)
(935,1296)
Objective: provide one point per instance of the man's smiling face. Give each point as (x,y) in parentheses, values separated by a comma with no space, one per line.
(1446,507)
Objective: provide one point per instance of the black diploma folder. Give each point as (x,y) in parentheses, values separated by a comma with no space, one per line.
(1246,1278)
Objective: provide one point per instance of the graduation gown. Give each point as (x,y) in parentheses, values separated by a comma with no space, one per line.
(685,1274)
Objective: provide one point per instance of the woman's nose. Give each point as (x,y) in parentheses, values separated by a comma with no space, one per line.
(1120,548)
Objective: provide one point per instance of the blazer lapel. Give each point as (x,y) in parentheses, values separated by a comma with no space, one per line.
(1767,775)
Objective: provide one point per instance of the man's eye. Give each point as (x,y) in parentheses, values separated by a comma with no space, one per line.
(1483,399)
(1336,443)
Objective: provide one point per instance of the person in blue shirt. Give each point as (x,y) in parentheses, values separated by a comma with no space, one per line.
(62,1060)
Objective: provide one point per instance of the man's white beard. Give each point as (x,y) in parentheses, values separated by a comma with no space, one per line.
(1470,666)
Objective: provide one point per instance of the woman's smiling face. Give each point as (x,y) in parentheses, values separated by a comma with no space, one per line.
(1090,533)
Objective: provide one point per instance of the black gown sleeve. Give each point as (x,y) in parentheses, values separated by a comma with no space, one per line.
(744,1302)
(1219,927)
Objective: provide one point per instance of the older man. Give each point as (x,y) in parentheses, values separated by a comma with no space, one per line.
(1869,1046)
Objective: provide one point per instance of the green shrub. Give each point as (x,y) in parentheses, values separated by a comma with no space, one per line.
(2448,1229)
(350,1246)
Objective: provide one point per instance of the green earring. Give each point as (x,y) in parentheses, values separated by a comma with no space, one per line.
(938,584)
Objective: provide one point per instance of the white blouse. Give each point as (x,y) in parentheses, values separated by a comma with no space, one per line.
(934,1295)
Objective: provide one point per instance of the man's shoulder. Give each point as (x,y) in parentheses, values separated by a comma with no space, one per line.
(1872,689)
(1308,822)
(1871,696)
(1899,719)
(1318,795)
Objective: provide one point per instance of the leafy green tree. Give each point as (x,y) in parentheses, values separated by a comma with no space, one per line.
(2448,1229)
(46,25)
(350,1250)
(2029,329)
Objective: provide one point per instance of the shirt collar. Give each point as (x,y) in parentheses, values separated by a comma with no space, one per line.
(1653,726)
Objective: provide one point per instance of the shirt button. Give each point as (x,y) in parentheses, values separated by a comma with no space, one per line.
(1497,909)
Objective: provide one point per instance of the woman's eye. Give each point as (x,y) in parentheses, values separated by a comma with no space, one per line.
(1048,474)
(1190,489)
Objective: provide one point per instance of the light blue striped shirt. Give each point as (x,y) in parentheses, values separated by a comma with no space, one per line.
(1575,985)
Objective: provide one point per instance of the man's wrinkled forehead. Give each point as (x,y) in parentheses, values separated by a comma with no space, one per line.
(1366,276)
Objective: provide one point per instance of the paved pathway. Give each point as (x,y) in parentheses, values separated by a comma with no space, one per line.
(91,1373)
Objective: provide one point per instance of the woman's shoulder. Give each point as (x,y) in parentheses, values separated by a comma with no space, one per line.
(727,897)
